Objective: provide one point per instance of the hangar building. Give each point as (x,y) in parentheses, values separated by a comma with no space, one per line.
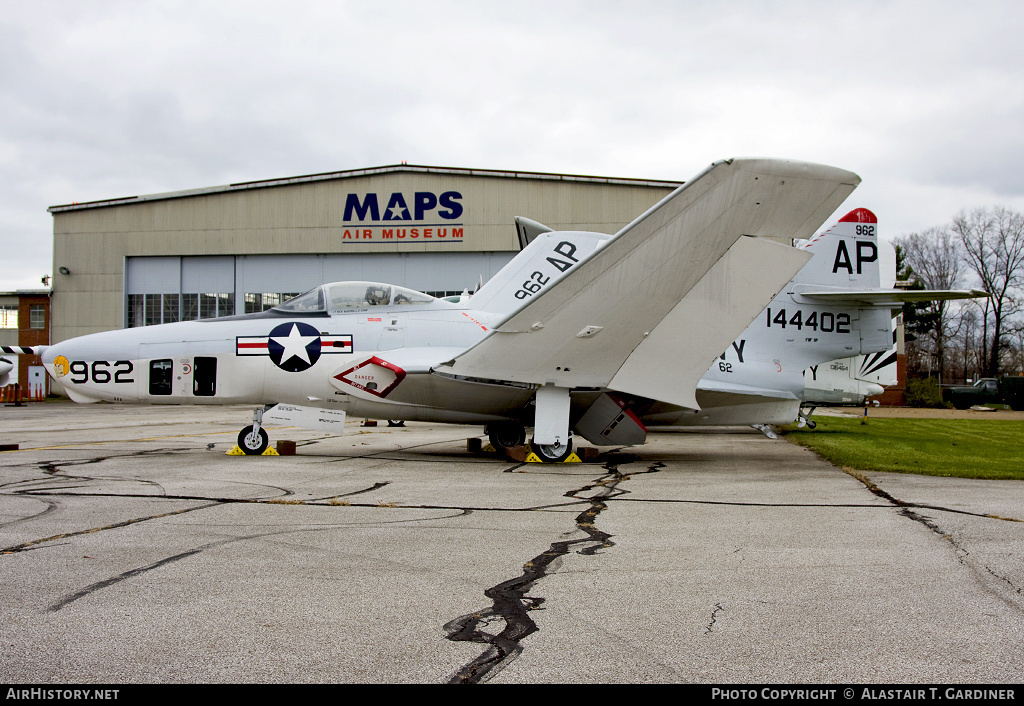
(244,247)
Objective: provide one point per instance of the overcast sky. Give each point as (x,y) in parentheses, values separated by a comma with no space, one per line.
(924,100)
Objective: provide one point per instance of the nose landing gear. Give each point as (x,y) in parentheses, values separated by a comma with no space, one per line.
(253,439)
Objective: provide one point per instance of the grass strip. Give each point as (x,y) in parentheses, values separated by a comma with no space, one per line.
(962,448)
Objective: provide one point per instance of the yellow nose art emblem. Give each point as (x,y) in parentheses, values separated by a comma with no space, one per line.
(60,366)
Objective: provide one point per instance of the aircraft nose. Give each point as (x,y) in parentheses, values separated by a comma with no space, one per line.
(66,364)
(57,359)
(48,354)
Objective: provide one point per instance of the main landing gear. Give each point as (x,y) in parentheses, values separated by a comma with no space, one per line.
(511,434)
(253,440)
(552,453)
(506,435)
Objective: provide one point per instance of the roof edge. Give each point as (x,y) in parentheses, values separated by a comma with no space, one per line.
(354,173)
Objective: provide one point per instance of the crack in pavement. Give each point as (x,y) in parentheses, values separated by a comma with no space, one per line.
(135,520)
(206,500)
(962,554)
(132,573)
(507,622)
(921,506)
(510,603)
(55,469)
(106,583)
(719,608)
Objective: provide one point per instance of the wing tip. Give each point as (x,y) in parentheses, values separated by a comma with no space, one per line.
(792,167)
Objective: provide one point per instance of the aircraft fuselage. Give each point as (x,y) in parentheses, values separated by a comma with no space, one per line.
(371,362)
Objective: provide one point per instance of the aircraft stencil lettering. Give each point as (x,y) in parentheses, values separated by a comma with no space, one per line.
(97,371)
(867,252)
(538,280)
(851,317)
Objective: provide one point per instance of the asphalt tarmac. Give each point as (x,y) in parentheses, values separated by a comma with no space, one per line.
(133,549)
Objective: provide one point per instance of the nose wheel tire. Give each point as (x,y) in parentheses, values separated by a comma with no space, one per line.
(253,444)
(553,453)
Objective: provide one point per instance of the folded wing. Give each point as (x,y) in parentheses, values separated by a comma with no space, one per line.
(671,282)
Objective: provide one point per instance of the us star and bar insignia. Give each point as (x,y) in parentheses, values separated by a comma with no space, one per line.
(294,346)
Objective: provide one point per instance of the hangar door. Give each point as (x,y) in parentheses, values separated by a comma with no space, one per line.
(182,288)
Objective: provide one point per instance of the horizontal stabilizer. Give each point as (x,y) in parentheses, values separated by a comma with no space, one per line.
(892,298)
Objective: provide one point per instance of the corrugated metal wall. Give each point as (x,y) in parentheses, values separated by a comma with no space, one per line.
(288,238)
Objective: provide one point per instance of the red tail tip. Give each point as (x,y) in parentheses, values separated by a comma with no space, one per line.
(859,215)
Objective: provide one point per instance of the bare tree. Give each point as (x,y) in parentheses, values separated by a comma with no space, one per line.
(1015,359)
(993,241)
(936,257)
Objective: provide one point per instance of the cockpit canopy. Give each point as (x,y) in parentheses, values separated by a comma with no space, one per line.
(339,296)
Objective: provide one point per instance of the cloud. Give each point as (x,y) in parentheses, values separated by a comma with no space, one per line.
(106,99)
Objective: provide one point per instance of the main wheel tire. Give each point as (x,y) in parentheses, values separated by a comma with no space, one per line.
(506,436)
(554,453)
(253,444)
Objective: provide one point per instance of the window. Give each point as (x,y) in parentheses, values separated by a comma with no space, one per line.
(310,302)
(170,308)
(349,295)
(37,316)
(189,307)
(207,306)
(211,305)
(152,309)
(255,302)
(9,316)
(136,309)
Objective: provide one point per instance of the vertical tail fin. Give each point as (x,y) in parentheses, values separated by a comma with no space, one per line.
(849,257)
(544,261)
(847,254)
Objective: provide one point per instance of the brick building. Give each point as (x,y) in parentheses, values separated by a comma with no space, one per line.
(25,321)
